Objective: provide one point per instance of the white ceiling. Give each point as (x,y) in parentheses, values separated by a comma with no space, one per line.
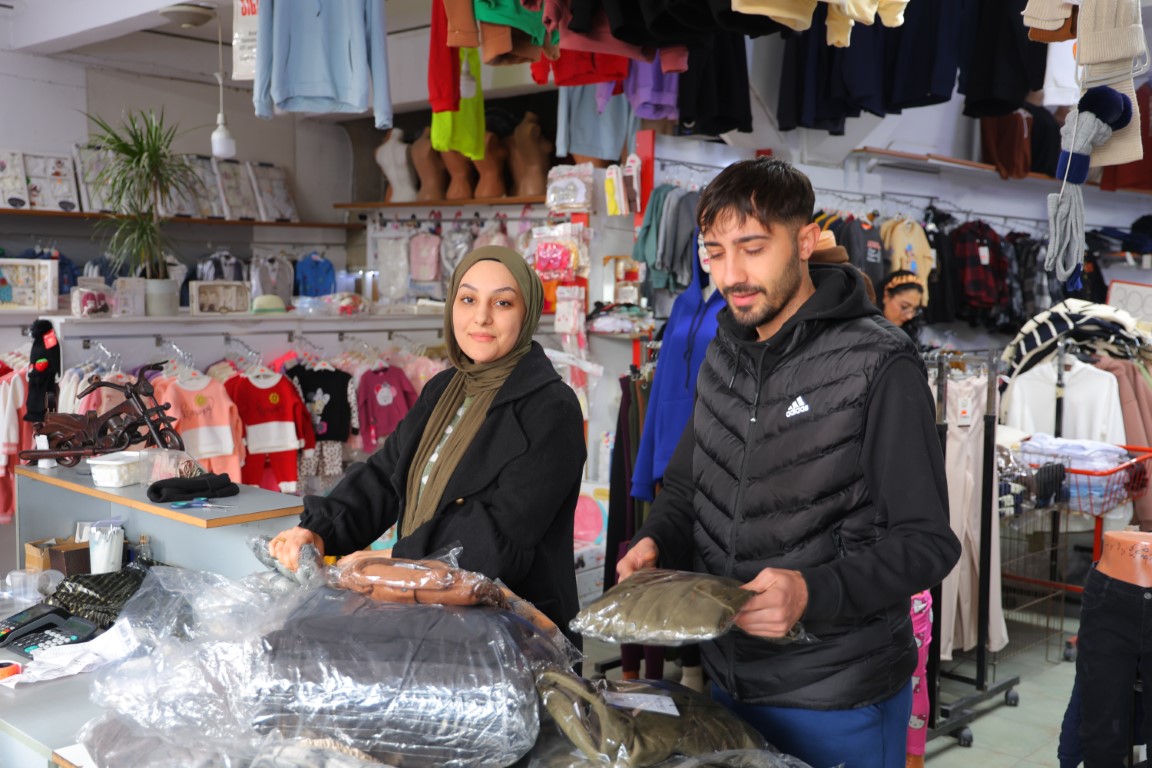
(133,36)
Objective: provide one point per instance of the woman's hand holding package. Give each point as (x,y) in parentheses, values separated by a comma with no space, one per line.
(781,597)
(285,546)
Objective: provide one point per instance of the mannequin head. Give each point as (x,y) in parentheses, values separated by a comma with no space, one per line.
(901,297)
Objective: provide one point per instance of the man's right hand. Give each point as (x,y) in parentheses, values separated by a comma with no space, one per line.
(644,554)
(285,546)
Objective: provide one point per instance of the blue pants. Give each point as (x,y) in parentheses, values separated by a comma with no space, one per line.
(865,737)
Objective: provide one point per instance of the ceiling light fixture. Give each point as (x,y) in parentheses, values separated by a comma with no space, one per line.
(188,15)
(223,145)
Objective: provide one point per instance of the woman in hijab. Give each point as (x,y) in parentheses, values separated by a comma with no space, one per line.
(490,457)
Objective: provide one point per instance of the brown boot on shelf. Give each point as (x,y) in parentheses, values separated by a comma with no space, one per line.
(913,761)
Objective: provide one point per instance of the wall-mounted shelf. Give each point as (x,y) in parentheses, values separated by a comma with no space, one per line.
(368,206)
(932,163)
(95,216)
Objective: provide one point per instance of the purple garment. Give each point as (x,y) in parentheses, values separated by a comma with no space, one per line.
(652,93)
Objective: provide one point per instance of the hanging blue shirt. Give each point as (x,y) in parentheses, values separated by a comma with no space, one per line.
(315,276)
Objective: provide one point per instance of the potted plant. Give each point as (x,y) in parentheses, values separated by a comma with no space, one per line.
(141,176)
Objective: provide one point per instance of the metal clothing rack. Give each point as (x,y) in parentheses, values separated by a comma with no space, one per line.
(952,717)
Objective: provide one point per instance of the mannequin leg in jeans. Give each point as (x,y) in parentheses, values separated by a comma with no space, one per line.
(1114,642)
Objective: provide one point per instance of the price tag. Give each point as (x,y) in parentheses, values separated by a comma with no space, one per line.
(50,339)
(647,702)
(964,419)
(985,255)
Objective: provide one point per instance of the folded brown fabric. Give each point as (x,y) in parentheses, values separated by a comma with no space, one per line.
(662,607)
(1066,31)
(638,723)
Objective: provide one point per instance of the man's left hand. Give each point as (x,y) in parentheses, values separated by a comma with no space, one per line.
(780,601)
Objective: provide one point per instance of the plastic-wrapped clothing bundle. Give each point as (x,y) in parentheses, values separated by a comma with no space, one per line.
(424,685)
(663,607)
(98,597)
(768,758)
(639,723)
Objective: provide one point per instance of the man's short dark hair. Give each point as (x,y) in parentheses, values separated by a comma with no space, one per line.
(766,189)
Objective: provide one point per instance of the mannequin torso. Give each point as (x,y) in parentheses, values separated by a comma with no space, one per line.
(491,168)
(392,157)
(460,171)
(528,153)
(429,167)
(1127,557)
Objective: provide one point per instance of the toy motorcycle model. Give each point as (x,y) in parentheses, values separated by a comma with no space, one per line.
(140,419)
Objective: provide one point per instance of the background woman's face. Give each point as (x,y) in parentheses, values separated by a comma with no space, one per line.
(900,308)
(488,312)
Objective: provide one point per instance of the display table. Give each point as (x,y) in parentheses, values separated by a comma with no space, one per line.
(49,502)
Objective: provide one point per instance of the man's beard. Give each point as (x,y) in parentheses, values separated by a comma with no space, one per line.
(776,296)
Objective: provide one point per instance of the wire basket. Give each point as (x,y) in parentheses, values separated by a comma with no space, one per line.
(1098,491)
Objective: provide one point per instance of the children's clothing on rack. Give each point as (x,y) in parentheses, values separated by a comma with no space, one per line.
(384,397)
(206,419)
(276,425)
(315,275)
(272,274)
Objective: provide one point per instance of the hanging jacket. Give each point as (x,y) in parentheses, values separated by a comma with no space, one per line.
(513,526)
(315,276)
(691,327)
(814,451)
(322,57)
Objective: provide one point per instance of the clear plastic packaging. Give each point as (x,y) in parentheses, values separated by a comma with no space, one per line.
(225,662)
(167,463)
(638,723)
(663,607)
(767,758)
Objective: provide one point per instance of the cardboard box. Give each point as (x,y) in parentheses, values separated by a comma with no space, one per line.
(589,586)
(36,555)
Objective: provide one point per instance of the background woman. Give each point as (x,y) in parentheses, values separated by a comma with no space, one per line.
(901,299)
(490,457)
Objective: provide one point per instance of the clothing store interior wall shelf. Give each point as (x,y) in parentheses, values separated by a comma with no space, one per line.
(523,200)
(13,213)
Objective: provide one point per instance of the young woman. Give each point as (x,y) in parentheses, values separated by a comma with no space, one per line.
(489,458)
(901,299)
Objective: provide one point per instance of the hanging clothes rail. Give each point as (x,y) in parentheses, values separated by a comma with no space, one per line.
(952,717)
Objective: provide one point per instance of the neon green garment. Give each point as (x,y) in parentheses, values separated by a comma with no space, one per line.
(463,130)
(512,13)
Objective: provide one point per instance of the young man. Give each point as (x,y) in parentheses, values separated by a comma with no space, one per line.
(812,472)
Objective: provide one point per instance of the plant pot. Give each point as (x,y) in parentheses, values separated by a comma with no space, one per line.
(162,298)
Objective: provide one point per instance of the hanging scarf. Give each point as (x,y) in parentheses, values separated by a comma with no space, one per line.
(479,381)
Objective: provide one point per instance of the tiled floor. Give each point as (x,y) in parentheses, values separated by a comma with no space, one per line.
(1024,736)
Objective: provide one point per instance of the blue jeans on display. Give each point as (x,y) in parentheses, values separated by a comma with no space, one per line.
(874,736)
(1113,644)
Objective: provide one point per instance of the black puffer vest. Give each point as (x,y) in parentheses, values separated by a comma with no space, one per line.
(779,484)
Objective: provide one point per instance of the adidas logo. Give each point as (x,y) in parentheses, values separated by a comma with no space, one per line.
(798,407)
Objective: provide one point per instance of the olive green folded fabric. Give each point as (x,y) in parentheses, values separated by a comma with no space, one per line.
(661,607)
(639,723)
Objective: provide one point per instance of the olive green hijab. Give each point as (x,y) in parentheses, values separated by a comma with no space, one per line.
(479,381)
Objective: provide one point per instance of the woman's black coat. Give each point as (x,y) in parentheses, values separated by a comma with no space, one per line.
(509,504)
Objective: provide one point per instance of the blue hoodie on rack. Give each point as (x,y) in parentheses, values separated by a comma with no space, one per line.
(691,327)
(322,57)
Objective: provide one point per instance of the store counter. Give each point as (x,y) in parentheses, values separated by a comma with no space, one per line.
(49,502)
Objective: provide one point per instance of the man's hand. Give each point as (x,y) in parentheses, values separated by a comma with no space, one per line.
(644,554)
(780,601)
(285,547)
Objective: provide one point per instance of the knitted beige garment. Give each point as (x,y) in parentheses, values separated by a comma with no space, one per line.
(1046,14)
(1125,145)
(1109,30)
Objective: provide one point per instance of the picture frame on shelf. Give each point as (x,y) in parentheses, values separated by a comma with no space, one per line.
(236,190)
(29,285)
(273,192)
(90,161)
(207,202)
(130,297)
(51,183)
(219,297)
(13,181)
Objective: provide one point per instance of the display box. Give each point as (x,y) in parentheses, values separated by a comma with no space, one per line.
(588,556)
(29,284)
(589,586)
(219,297)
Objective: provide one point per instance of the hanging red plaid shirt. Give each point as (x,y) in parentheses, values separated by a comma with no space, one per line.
(982,264)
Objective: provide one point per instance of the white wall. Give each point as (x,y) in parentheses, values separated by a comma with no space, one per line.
(45,102)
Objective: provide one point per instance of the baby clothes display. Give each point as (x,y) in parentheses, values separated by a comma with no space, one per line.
(384,397)
(330,398)
(276,425)
(272,274)
(315,275)
(221,265)
(207,420)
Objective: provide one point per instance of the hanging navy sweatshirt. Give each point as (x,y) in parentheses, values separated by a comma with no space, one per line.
(691,326)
